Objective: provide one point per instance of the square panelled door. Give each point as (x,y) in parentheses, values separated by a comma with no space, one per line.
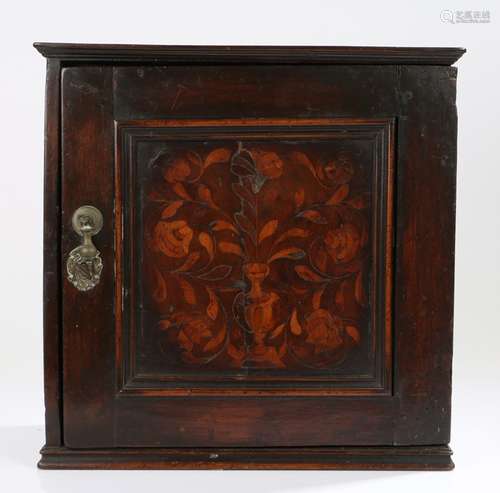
(249,257)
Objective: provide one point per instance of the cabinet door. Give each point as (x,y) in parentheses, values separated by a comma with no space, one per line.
(246,296)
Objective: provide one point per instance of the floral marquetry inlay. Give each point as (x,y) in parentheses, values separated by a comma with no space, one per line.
(257,254)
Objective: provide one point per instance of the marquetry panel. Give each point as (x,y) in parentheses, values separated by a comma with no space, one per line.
(256,255)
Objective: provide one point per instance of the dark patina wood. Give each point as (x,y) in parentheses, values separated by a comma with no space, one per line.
(350,55)
(297,458)
(275,292)
(88,317)
(52,259)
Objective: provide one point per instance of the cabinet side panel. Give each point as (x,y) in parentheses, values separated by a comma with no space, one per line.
(87,179)
(51,256)
(425,254)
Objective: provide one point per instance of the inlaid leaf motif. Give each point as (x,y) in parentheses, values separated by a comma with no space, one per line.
(313,216)
(181,191)
(189,262)
(217,273)
(321,174)
(359,202)
(300,158)
(340,194)
(155,195)
(353,333)
(358,289)
(186,343)
(164,324)
(290,253)
(295,326)
(282,349)
(307,274)
(298,198)
(206,195)
(340,298)
(216,156)
(187,291)
(206,242)
(171,209)
(235,353)
(160,291)
(215,342)
(277,331)
(213,304)
(301,291)
(228,247)
(268,230)
(316,299)
(321,259)
(221,225)
(293,233)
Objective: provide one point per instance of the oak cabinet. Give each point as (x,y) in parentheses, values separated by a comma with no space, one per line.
(249,256)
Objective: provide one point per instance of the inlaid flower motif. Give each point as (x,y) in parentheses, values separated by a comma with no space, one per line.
(181,167)
(340,169)
(173,238)
(342,243)
(269,164)
(196,330)
(324,330)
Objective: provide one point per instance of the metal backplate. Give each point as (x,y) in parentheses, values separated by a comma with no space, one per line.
(84,264)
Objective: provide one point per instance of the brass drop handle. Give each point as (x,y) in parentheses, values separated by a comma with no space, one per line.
(84,264)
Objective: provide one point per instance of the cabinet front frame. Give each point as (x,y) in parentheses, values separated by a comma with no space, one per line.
(411,122)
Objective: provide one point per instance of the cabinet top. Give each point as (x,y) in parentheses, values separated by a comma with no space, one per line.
(249,54)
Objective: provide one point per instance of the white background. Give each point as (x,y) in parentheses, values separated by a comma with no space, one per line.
(475,435)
